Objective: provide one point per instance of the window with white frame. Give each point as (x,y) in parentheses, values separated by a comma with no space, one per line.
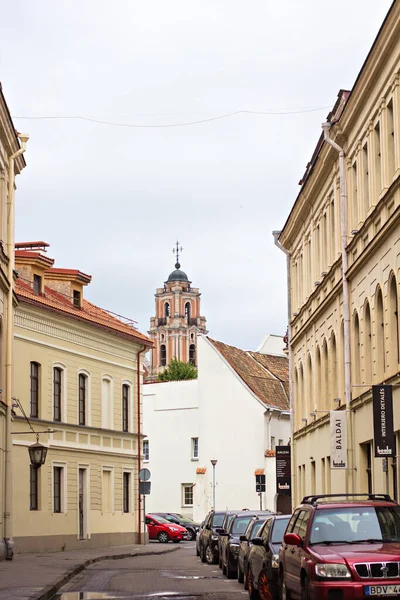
(58,489)
(82,400)
(106,491)
(195,448)
(126,491)
(273,444)
(187,494)
(125,407)
(146,450)
(106,403)
(57,393)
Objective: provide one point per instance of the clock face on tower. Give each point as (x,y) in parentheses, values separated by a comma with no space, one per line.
(177,320)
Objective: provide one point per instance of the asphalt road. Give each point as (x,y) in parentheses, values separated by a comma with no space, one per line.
(179,575)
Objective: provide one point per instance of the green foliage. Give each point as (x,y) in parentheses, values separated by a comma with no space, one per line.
(178,370)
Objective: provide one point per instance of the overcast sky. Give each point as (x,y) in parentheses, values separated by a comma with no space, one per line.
(112,200)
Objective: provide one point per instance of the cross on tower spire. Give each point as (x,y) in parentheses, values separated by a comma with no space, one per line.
(176,251)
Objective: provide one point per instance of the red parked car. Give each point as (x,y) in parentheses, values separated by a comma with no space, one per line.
(162,530)
(342,547)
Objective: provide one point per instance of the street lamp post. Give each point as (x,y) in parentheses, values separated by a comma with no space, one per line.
(213,462)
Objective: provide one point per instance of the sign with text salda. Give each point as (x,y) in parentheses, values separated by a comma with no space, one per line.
(283,471)
(338,439)
(382,408)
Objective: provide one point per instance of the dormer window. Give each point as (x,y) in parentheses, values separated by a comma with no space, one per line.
(37,284)
(77,299)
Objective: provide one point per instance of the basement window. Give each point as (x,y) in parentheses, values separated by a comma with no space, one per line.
(77,299)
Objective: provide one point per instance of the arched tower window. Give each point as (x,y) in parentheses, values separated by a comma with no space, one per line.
(394,354)
(379,332)
(167,310)
(163,355)
(192,354)
(187,312)
(367,344)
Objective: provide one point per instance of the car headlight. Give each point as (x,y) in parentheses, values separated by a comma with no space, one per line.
(173,529)
(337,570)
(214,538)
(275,561)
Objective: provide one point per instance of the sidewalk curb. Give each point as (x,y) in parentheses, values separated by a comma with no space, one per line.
(50,590)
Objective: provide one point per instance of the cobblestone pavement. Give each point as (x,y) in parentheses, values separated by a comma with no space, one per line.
(178,575)
(40,576)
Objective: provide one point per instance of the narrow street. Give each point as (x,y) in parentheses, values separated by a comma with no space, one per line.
(178,574)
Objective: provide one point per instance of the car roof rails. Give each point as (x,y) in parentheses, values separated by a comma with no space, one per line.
(314,499)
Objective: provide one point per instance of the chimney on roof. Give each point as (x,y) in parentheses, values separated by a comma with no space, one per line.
(31,264)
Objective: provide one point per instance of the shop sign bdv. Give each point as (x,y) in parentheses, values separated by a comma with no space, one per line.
(283,471)
(382,406)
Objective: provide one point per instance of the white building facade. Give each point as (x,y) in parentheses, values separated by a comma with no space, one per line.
(236,412)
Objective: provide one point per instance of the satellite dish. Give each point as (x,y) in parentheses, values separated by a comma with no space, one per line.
(144,474)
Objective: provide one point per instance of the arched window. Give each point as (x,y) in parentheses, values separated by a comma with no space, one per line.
(296,397)
(379,332)
(166,310)
(356,350)
(367,344)
(125,406)
(309,399)
(163,355)
(393,324)
(333,382)
(325,376)
(83,390)
(318,375)
(187,312)
(192,354)
(300,405)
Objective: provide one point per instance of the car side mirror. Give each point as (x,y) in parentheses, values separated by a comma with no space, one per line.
(293,539)
(243,538)
(257,541)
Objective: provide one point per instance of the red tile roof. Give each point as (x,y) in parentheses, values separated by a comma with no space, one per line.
(67,274)
(267,376)
(259,472)
(270,453)
(88,313)
(201,470)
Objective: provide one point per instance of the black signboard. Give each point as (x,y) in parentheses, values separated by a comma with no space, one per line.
(382,405)
(260,483)
(283,471)
(144,487)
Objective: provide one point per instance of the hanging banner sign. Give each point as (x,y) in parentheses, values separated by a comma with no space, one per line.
(382,408)
(338,439)
(283,470)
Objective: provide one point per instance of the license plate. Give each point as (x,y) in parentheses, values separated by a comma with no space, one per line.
(382,590)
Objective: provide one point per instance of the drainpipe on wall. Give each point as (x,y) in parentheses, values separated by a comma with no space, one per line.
(139,445)
(346,297)
(276,235)
(8,538)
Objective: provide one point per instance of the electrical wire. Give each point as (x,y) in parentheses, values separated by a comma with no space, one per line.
(183,124)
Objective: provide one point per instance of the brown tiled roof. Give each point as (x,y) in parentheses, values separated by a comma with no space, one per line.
(88,313)
(260,373)
(201,470)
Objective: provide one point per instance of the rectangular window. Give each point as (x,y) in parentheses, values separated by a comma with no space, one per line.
(57,376)
(33,504)
(187,494)
(354,193)
(82,399)
(34,389)
(57,489)
(195,448)
(106,489)
(280,442)
(125,407)
(77,299)
(37,284)
(146,450)
(126,492)
(273,444)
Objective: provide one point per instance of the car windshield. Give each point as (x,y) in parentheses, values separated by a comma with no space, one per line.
(278,530)
(218,519)
(356,524)
(240,525)
(159,519)
(186,520)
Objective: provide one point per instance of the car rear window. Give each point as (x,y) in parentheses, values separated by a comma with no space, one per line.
(278,530)
(217,520)
(240,525)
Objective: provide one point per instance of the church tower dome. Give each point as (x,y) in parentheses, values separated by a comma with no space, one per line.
(177,321)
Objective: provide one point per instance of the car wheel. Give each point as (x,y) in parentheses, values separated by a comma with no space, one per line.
(163,537)
(191,535)
(305,589)
(263,586)
(240,575)
(210,559)
(253,593)
(202,554)
(230,572)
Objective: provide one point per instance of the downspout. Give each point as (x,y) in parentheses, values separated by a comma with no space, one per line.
(276,235)
(8,538)
(346,296)
(139,455)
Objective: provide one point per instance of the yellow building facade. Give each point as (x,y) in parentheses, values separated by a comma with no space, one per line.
(78,379)
(11,164)
(365,123)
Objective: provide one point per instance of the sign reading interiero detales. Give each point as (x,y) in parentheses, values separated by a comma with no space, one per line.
(283,470)
(382,407)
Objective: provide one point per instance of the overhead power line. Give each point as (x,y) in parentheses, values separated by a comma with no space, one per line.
(184,124)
